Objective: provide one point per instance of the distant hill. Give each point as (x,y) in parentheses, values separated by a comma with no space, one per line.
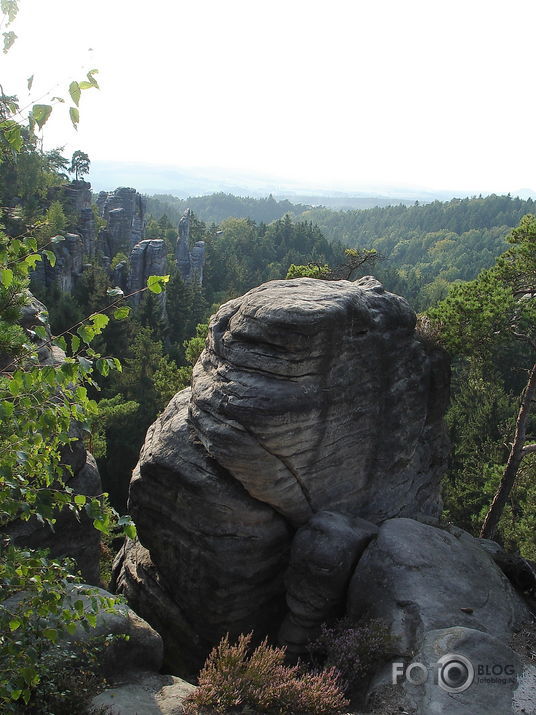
(217,207)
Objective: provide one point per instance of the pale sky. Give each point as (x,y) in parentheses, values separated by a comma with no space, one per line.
(433,94)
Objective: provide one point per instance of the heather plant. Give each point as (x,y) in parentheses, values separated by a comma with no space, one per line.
(354,650)
(236,679)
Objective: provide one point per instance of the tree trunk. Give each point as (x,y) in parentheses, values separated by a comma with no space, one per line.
(517,452)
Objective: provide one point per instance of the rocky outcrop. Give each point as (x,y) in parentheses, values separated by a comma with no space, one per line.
(148,258)
(299,404)
(298,481)
(324,387)
(217,554)
(190,262)
(67,268)
(124,212)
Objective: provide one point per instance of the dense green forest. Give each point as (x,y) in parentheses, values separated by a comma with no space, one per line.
(217,207)
(423,248)
(460,264)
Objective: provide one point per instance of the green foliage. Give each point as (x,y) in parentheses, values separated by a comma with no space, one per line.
(80,160)
(218,207)
(242,255)
(489,325)
(117,259)
(69,676)
(426,247)
(309,271)
(114,411)
(195,345)
(235,679)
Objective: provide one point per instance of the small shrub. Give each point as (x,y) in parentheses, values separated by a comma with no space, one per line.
(70,675)
(353,649)
(233,680)
(117,259)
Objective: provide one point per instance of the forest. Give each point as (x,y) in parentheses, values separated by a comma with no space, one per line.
(466,266)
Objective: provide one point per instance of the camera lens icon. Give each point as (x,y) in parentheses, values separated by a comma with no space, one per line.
(455,673)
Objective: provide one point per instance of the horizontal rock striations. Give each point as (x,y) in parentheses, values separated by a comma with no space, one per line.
(219,555)
(317,395)
(310,398)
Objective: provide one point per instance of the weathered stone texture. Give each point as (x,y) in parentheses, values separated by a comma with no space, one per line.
(300,404)
(148,258)
(324,387)
(220,554)
(124,211)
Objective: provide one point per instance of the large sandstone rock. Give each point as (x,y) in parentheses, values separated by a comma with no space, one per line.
(124,212)
(419,578)
(324,387)
(216,553)
(309,397)
(147,258)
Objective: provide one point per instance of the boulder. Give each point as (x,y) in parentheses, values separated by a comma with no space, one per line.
(216,553)
(144,693)
(300,404)
(486,675)
(324,387)
(322,559)
(418,578)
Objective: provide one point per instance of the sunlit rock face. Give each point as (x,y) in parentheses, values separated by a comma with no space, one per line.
(147,258)
(310,396)
(124,213)
(318,395)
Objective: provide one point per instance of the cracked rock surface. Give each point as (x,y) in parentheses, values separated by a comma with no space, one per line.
(310,396)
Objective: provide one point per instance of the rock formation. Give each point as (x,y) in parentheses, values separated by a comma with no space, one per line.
(68,267)
(190,262)
(298,480)
(299,404)
(147,258)
(124,213)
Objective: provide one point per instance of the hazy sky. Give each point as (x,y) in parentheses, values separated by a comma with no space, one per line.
(434,94)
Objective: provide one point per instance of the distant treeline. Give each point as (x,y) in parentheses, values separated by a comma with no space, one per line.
(425,247)
(217,207)
(362,228)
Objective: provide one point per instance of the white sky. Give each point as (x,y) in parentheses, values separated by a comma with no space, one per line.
(436,94)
